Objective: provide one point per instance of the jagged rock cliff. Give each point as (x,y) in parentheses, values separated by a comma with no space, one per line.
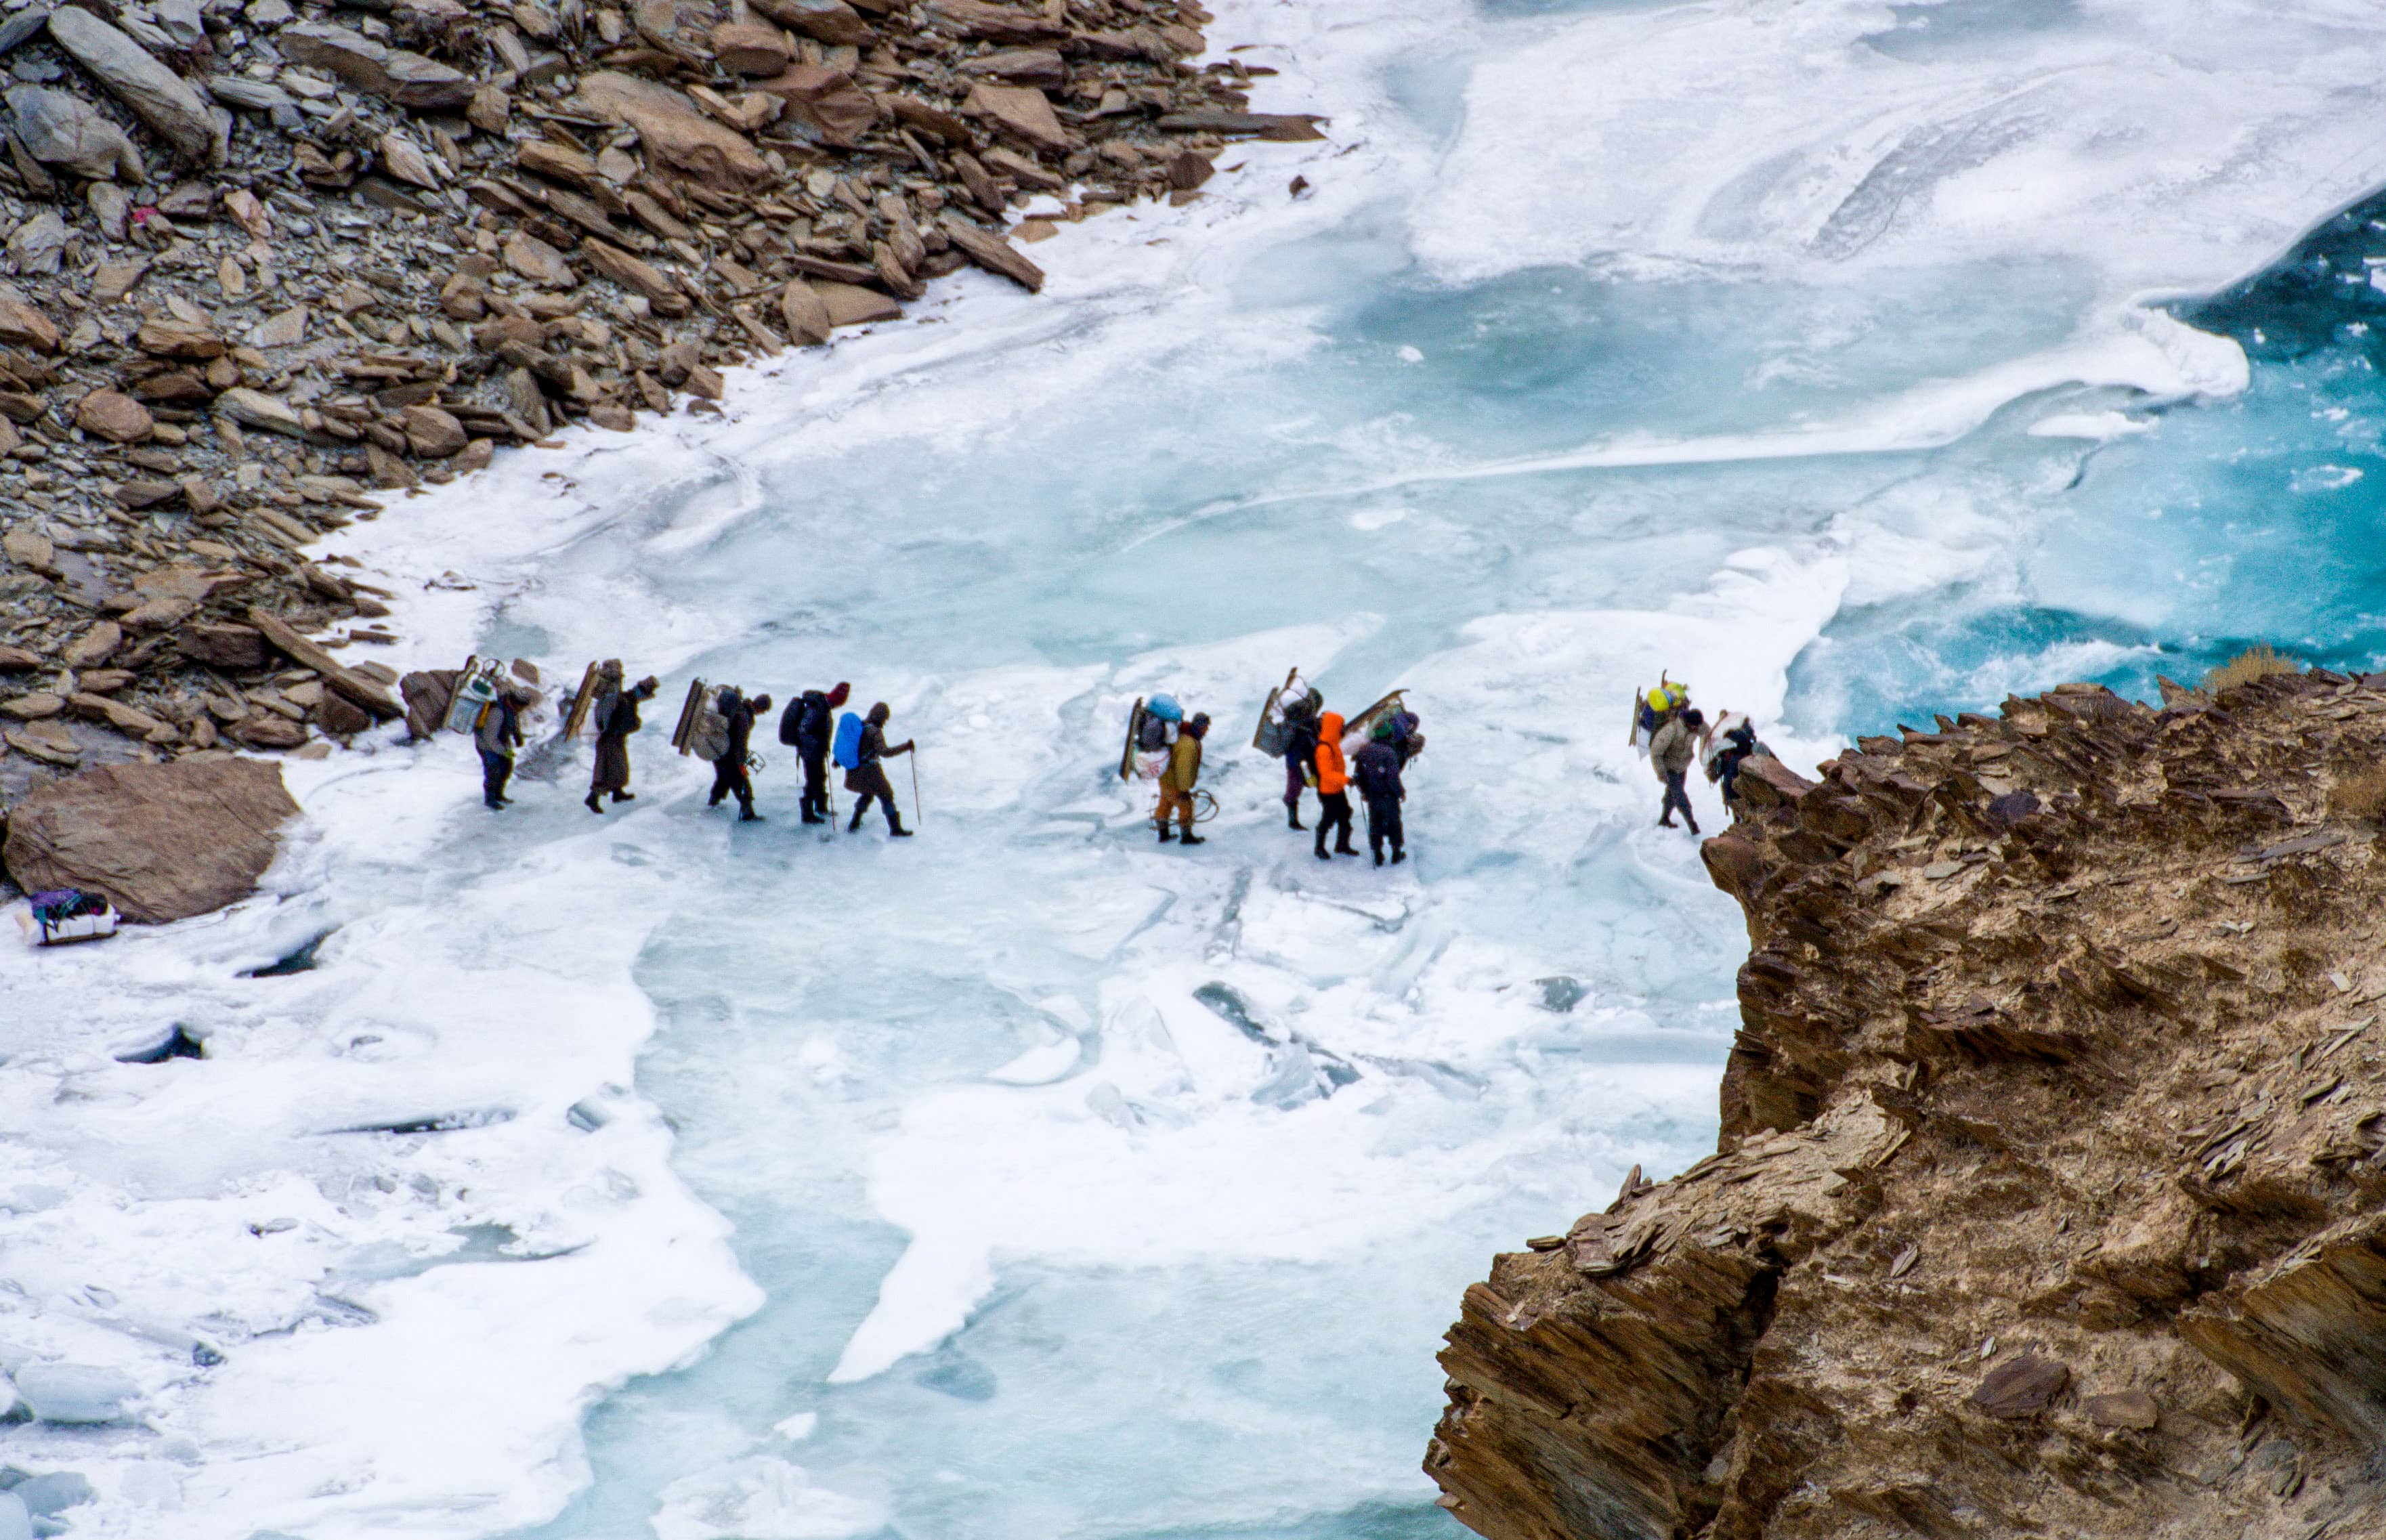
(2048,1199)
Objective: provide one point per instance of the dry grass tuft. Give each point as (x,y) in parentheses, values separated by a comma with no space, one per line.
(2360,795)
(2245,667)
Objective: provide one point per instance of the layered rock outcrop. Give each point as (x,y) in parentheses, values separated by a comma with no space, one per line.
(2048,1197)
(163,842)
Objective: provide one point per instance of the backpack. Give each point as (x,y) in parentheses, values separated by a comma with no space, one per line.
(847,753)
(1154,736)
(791,723)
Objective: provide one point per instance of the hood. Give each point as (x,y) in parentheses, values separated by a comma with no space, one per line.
(1329,727)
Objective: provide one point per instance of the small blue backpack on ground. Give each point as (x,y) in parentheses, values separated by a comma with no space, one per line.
(848,752)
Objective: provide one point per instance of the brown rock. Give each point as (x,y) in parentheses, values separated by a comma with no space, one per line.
(249,212)
(1188,169)
(95,647)
(628,271)
(915,113)
(2021,1386)
(825,101)
(2122,1408)
(237,648)
(556,162)
(744,48)
(993,253)
(296,647)
(1036,66)
(974,18)
(336,715)
(129,720)
(1022,110)
(34,707)
(169,338)
(410,79)
(672,130)
(832,22)
(16,660)
(146,492)
(1285,126)
(806,316)
(22,325)
(159,614)
(848,304)
(539,262)
(489,109)
(432,434)
(266,730)
(30,550)
(405,160)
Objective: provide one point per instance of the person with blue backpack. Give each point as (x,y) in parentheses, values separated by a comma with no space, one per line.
(860,744)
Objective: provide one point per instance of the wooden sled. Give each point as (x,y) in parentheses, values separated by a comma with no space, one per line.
(1134,731)
(688,708)
(577,718)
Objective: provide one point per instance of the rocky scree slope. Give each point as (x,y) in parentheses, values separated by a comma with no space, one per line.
(2047,1200)
(267,260)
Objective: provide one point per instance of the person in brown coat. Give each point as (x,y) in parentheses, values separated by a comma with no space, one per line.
(613,735)
(1671,754)
(867,779)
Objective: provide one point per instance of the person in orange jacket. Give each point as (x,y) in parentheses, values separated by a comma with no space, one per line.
(1333,788)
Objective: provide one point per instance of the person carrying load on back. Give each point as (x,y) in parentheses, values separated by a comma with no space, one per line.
(728,777)
(1333,788)
(867,779)
(498,734)
(1176,784)
(1407,742)
(1301,728)
(1376,767)
(1652,707)
(809,723)
(1671,753)
(617,723)
(1733,742)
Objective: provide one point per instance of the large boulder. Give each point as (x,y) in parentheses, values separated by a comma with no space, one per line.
(163,842)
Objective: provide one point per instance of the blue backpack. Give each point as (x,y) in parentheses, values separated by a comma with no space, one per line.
(848,752)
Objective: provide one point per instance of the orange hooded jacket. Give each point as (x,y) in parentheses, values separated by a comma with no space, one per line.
(1333,775)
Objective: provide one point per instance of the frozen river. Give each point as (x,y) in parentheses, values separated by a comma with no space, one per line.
(1030,1179)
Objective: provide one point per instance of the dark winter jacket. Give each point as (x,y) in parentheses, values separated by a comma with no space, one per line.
(740,718)
(1376,769)
(814,723)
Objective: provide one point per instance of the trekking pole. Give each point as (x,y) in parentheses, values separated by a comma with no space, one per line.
(916,820)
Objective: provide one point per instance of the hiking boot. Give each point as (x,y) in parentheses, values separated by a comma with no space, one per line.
(1344,850)
(899,832)
(1694,828)
(594,806)
(1164,835)
(1399,856)
(1188,837)
(1322,854)
(626,796)
(814,818)
(1666,822)
(1292,815)
(1379,856)
(751,815)
(855,827)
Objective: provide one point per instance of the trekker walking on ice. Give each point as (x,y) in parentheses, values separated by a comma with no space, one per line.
(1333,788)
(1376,767)
(620,723)
(1300,757)
(810,724)
(1176,785)
(1671,752)
(728,777)
(498,736)
(867,779)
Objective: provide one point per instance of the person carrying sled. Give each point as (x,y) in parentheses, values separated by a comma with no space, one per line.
(728,777)
(1176,783)
(867,779)
(1301,726)
(1376,767)
(1671,753)
(498,736)
(808,727)
(616,725)
(1333,788)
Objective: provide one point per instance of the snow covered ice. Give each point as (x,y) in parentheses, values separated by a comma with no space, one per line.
(652,1175)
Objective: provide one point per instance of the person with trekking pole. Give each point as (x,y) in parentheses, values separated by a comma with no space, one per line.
(729,772)
(867,779)
(617,724)
(809,725)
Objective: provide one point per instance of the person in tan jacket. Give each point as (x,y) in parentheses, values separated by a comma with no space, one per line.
(1671,753)
(1177,782)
